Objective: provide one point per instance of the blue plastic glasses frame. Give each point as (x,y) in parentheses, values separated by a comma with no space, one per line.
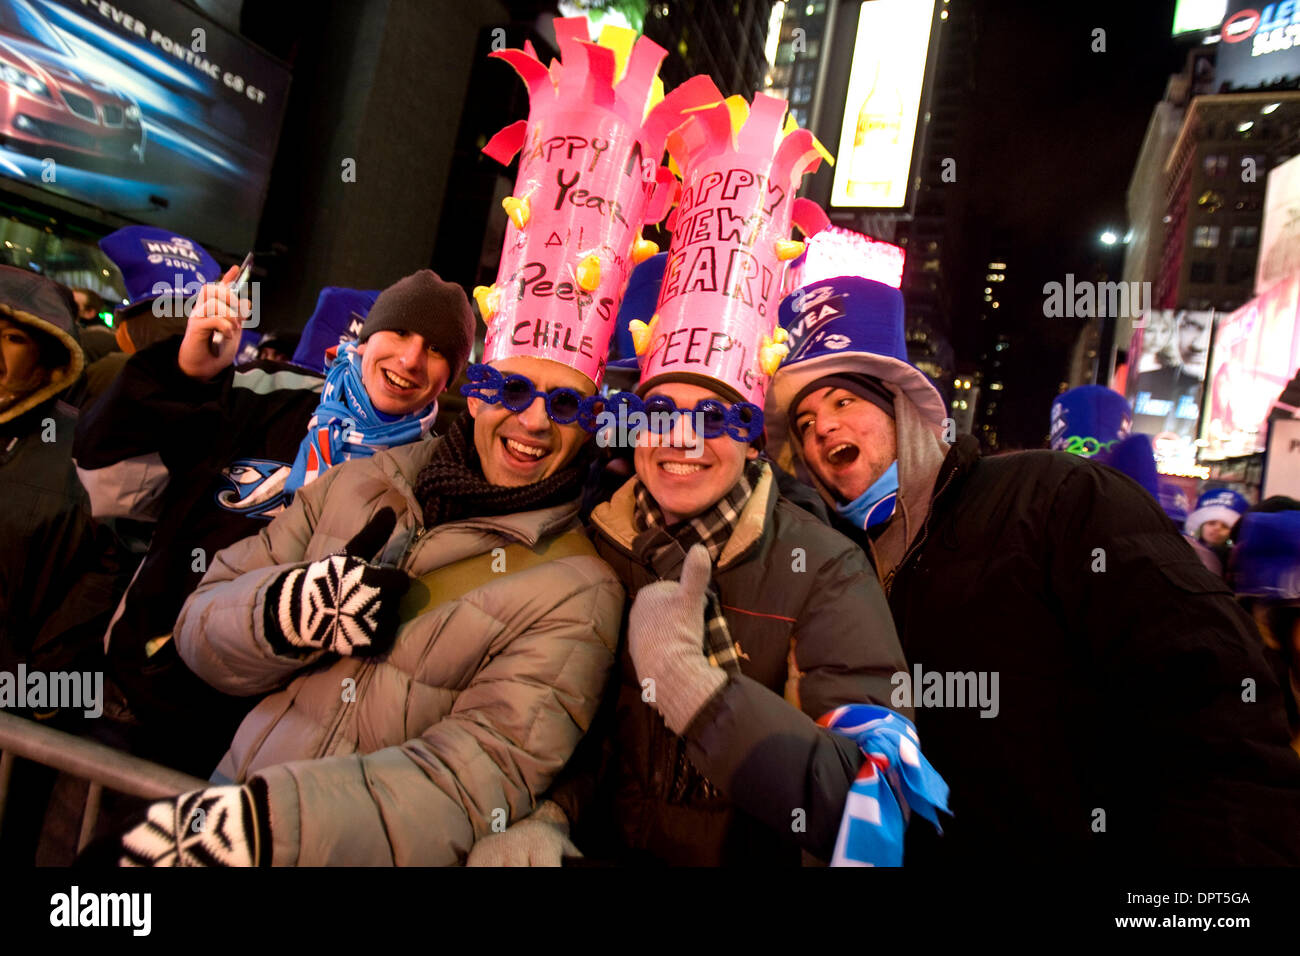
(564,406)
(742,421)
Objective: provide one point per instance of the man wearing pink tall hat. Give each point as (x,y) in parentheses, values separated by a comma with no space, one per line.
(442,623)
(751,619)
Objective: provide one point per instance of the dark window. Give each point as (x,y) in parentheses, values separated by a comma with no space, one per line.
(1242,271)
(1202,273)
(1245,237)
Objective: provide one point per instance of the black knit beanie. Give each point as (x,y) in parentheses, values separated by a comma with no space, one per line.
(866,387)
(422,303)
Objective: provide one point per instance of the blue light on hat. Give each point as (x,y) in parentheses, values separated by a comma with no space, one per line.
(1266,560)
(338,318)
(1089,419)
(1174,501)
(1136,457)
(1220,504)
(151,259)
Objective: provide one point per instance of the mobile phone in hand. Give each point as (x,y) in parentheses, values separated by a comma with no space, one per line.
(241,281)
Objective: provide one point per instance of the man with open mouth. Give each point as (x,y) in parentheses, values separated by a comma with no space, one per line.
(1138,720)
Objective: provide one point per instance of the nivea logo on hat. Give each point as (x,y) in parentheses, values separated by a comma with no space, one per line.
(1224,497)
(156,262)
(844,313)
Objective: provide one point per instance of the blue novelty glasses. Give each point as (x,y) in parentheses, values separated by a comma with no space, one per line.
(564,406)
(743,421)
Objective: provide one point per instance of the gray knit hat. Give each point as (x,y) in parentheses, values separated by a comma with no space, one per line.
(424,304)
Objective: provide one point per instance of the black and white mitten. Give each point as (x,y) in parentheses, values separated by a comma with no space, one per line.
(341,603)
(217,826)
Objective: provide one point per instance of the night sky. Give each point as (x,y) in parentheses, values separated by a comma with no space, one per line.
(1056,135)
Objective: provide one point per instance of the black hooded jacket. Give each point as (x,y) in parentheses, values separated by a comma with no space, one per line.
(1137,720)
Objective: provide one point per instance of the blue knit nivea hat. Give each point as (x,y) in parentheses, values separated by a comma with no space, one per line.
(1266,560)
(1136,457)
(1221,504)
(338,317)
(1089,419)
(156,261)
(845,324)
(1173,500)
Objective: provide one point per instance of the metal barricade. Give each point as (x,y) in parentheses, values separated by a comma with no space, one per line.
(102,766)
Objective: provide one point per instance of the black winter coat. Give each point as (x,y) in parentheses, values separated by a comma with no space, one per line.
(1138,720)
(47,543)
(222,450)
(811,621)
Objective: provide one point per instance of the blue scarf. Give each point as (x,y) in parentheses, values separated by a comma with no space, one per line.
(894,780)
(875,505)
(346,425)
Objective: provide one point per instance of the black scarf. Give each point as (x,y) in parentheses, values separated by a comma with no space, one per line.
(451,486)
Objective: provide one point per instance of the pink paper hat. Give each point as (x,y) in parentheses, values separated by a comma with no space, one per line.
(589,179)
(725,275)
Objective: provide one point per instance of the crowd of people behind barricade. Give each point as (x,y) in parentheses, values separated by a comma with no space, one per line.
(783,613)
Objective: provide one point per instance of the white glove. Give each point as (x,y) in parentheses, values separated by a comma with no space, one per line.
(541,839)
(665,636)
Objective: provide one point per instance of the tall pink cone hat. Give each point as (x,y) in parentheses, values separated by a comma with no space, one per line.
(716,319)
(589,178)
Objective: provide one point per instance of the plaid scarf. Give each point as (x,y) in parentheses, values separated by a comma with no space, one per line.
(665,548)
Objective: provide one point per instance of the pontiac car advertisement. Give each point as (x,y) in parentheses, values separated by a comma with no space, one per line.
(144,108)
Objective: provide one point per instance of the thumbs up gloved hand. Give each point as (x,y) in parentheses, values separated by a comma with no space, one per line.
(217,826)
(342,603)
(541,839)
(665,633)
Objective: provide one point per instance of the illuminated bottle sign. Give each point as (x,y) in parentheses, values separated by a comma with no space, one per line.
(882,104)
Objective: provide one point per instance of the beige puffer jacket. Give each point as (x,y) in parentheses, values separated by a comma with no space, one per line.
(466,720)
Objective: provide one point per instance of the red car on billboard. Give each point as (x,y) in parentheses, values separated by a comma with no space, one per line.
(50,100)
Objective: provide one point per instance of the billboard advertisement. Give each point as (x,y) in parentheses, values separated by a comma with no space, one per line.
(1256,352)
(1279,246)
(1259,42)
(1191,16)
(878,131)
(1166,381)
(1282,474)
(143,108)
(842,252)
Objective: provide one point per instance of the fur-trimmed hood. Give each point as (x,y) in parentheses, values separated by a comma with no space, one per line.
(36,302)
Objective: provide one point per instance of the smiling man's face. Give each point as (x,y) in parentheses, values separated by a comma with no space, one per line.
(685,473)
(402,372)
(847,441)
(520,448)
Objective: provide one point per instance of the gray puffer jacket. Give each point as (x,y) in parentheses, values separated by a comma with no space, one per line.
(410,757)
